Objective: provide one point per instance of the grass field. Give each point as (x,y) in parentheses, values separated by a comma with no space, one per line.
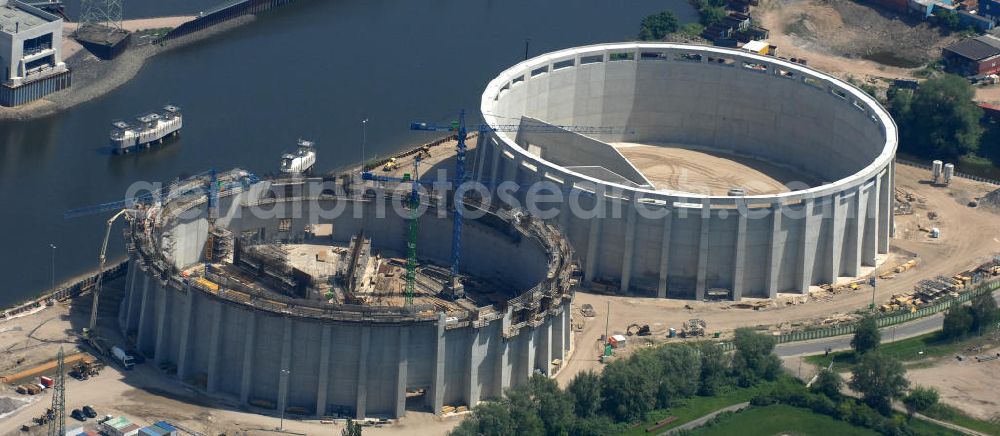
(947,413)
(787,420)
(690,409)
(907,350)
(778,420)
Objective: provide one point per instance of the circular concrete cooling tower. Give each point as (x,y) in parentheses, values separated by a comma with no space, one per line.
(749,175)
(239,328)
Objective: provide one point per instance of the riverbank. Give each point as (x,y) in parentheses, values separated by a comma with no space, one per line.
(93,77)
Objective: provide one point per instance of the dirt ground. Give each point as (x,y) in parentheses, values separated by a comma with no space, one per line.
(673,167)
(967,385)
(962,245)
(988,94)
(837,36)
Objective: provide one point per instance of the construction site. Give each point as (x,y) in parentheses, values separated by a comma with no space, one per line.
(365,320)
(364,294)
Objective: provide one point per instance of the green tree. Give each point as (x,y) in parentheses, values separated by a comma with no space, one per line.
(941,120)
(866,336)
(957,322)
(680,372)
(629,387)
(657,26)
(920,399)
(754,359)
(524,411)
(984,313)
(880,379)
(828,383)
(554,406)
(594,426)
(491,418)
(714,365)
(585,392)
(712,15)
(352,429)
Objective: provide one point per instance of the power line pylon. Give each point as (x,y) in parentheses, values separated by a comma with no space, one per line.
(57,423)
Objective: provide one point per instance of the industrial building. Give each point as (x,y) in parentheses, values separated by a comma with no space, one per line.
(973,57)
(30,53)
(719,173)
(287,297)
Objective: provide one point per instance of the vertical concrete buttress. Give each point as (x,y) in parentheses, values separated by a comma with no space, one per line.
(629,248)
(836,239)
(871,225)
(436,396)
(361,404)
(286,366)
(248,347)
(214,345)
(547,348)
(404,356)
(593,238)
(161,323)
(323,382)
(705,221)
(856,240)
(141,333)
(775,251)
(807,250)
(738,256)
(661,289)
(472,373)
(183,354)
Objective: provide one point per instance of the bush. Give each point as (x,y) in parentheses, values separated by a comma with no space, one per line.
(866,336)
(657,26)
(920,399)
(880,379)
(957,322)
(754,359)
(828,383)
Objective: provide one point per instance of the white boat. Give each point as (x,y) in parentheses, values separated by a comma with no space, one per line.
(147,129)
(300,162)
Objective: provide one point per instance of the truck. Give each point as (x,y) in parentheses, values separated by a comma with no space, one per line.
(122,357)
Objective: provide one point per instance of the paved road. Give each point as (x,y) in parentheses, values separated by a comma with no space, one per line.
(889,334)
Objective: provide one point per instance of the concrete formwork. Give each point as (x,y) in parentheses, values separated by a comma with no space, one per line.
(674,244)
(292,356)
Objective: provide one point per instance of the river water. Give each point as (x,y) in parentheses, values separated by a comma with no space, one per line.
(313,69)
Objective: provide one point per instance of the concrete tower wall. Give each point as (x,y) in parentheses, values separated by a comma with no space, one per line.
(677,244)
(270,360)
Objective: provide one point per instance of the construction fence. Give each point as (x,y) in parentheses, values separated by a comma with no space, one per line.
(886,320)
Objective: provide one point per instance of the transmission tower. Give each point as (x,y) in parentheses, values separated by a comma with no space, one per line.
(101,13)
(57,423)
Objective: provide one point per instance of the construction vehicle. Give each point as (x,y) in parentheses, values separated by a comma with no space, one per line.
(588,311)
(694,328)
(391,165)
(120,356)
(637,330)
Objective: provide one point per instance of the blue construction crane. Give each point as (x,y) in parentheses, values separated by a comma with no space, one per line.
(166,194)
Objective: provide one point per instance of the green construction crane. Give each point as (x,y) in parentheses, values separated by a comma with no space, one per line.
(411,240)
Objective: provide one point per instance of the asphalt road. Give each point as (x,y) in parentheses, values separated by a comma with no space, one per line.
(889,334)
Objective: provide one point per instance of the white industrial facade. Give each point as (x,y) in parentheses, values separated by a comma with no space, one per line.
(673,244)
(30,43)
